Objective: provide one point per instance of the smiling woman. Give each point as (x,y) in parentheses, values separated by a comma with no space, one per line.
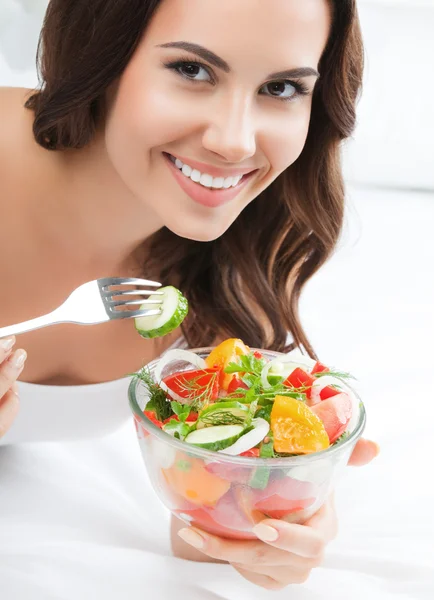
(216,123)
(196,143)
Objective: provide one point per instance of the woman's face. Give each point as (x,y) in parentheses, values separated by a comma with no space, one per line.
(206,87)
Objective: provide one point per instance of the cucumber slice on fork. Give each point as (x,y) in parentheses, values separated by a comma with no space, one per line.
(174,309)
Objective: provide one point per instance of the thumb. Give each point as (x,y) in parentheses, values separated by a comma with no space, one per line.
(364,451)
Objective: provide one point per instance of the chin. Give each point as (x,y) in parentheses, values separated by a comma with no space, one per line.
(200,232)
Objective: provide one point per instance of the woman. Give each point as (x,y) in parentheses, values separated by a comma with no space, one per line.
(196,143)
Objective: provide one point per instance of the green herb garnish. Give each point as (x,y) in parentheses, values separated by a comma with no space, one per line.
(158,401)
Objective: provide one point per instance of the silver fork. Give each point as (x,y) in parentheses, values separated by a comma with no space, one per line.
(95,302)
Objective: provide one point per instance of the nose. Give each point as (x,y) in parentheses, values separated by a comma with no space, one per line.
(230,132)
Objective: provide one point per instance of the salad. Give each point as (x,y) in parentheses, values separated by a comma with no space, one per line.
(237,402)
(225,414)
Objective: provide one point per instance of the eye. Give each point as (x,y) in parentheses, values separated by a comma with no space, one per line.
(285,90)
(191,70)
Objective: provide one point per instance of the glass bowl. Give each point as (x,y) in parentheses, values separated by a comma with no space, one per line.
(227,495)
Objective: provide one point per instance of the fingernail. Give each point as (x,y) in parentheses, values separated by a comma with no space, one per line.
(7,343)
(19,358)
(265,532)
(377,449)
(192,538)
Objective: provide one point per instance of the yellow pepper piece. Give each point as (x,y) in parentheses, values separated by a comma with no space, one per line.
(296,428)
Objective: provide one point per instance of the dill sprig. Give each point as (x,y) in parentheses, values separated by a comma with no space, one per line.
(199,394)
(158,401)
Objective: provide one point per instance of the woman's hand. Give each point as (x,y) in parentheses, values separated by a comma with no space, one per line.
(284,553)
(11,365)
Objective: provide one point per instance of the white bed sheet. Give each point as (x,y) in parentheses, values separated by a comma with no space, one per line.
(80,520)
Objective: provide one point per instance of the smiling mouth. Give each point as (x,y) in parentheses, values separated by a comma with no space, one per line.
(205,180)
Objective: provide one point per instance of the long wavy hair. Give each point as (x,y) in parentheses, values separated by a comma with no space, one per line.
(248,282)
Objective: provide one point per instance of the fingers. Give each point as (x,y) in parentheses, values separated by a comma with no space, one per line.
(325,520)
(242,552)
(11,364)
(9,405)
(6,345)
(364,451)
(290,537)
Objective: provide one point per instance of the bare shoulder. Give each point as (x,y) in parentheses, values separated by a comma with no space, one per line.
(17,145)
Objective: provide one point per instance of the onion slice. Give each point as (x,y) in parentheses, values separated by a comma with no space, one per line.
(181,355)
(285,366)
(249,440)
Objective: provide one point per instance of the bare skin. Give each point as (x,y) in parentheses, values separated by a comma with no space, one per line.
(70,217)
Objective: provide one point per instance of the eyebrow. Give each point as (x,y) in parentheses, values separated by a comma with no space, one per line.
(218,62)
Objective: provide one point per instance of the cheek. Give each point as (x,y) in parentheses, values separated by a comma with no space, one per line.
(144,116)
(289,140)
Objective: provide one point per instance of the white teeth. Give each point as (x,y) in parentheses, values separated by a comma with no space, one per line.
(204,179)
(218,182)
(187,170)
(195,176)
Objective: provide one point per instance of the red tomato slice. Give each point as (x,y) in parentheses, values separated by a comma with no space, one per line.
(335,412)
(299,378)
(203,519)
(257,354)
(285,496)
(254,452)
(319,368)
(152,417)
(190,384)
(192,417)
(235,384)
(328,392)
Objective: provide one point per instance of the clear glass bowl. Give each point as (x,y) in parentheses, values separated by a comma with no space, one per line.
(228,495)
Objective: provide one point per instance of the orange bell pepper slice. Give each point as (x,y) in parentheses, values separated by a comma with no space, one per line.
(223,354)
(189,478)
(296,428)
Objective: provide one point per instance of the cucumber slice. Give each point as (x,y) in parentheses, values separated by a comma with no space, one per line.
(223,413)
(174,311)
(215,438)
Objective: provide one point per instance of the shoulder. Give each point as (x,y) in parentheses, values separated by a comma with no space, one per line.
(24,165)
(17,144)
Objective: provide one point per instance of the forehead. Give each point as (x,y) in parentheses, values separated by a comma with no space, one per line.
(286,32)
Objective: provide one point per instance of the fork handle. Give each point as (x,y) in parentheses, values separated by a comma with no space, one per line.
(51,318)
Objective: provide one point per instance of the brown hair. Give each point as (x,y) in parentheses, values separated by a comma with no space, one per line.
(247,283)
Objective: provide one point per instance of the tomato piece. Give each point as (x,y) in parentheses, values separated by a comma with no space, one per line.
(254,452)
(152,417)
(203,518)
(296,428)
(335,413)
(192,418)
(189,478)
(319,368)
(257,355)
(285,496)
(223,354)
(235,384)
(191,384)
(328,392)
(300,379)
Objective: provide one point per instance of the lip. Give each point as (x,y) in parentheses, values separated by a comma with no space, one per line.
(202,195)
(214,171)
